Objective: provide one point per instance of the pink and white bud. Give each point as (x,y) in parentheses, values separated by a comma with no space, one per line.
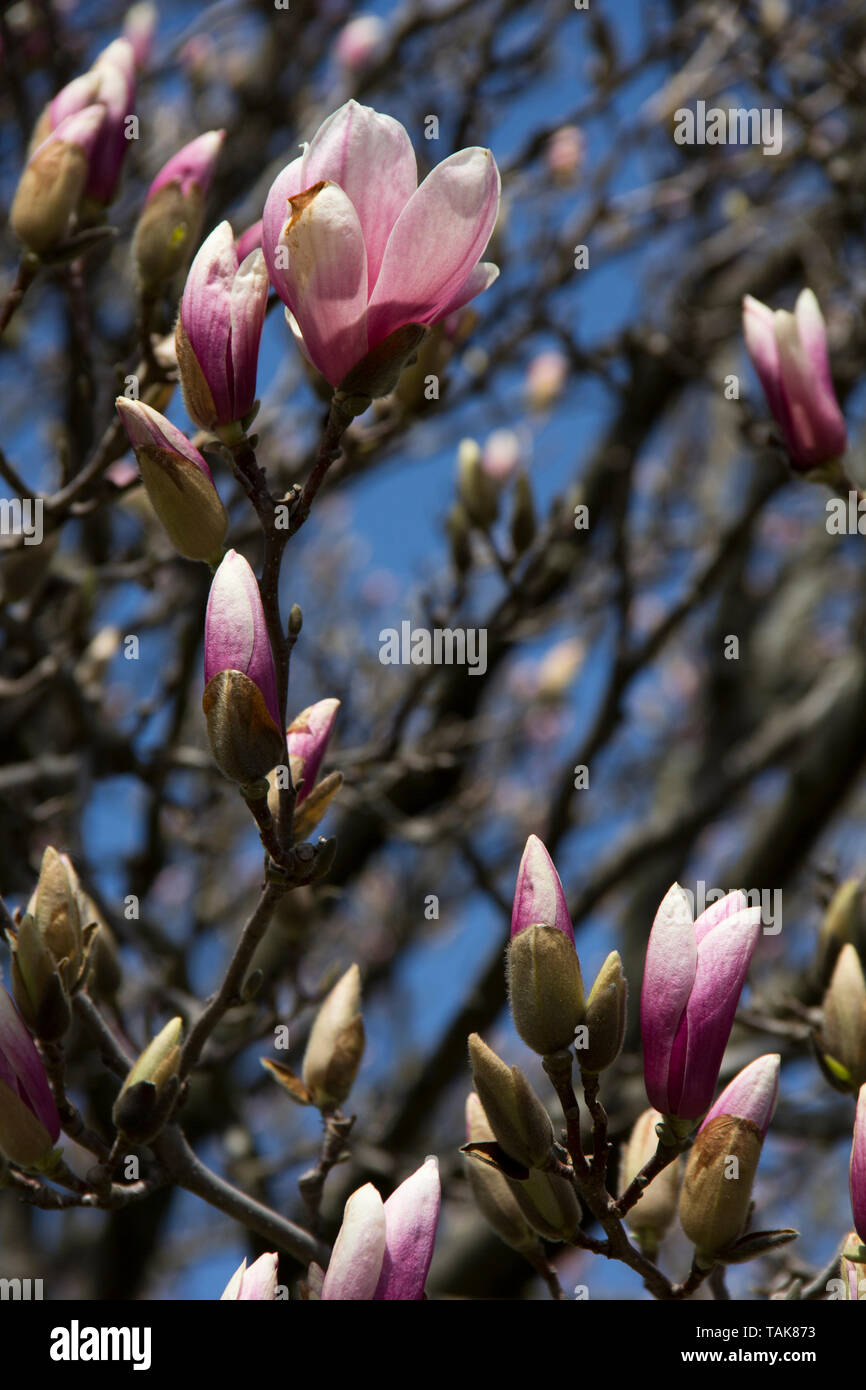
(308,736)
(219,329)
(54,180)
(178,482)
(256,1284)
(411,1217)
(171,219)
(360,42)
(357,251)
(789,353)
(240,698)
(752,1095)
(383,1250)
(538,894)
(545,379)
(29,1122)
(502,454)
(565,152)
(693,976)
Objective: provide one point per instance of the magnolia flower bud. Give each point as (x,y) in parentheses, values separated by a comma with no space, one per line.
(170,221)
(517,1117)
(383,1250)
(29,1122)
(307,738)
(693,976)
(723,1160)
(336,1044)
(53,182)
(789,352)
(549,1204)
(258,1283)
(147,1096)
(841,1045)
(605,1017)
(218,331)
(654,1211)
(178,482)
(477,490)
(240,697)
(544,979)
(139,26)
(360,42)
(36,983)
(496,1201)
(844,920)
(545,379)
(56,910)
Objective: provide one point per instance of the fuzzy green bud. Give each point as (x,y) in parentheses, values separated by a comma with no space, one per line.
(516,1115)
(545,987)
(336,1044)
(604,1024)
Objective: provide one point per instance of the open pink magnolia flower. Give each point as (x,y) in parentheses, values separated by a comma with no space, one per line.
(356,249)
(693,976)
(383,1249)
(789,352)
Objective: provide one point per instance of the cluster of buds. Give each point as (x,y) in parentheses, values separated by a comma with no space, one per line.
(52,947)
(240,697)
(334,1050)
(147,1096)
(789,353)
(523,1147)
(178,481)
(307,739)
(76,152)
(171,219)
(29,1122)
(693,975)
(363,258)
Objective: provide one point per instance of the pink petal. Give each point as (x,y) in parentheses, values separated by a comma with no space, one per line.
(249,299)
(718,911)
(436,242)
(146,428)
(307,739)
(258,1283)
(724,956)
(538,895)
(250,240)
(194,164)
(356,1261)
(206,312)
(277,212)
(752,1094)
(481,278)
(411,1215)
(370,156)
(326,278)
(669,974)
(760,335)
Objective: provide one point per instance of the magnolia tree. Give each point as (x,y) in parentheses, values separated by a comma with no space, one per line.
(275,276)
